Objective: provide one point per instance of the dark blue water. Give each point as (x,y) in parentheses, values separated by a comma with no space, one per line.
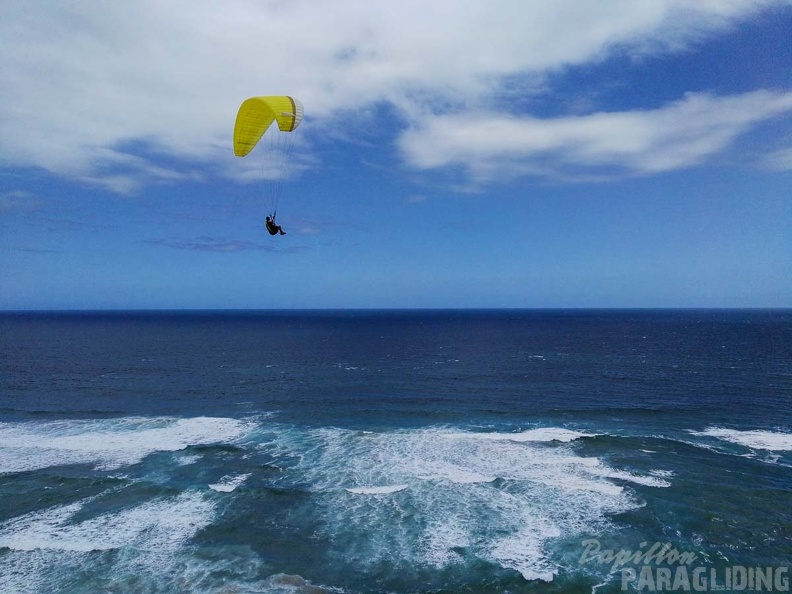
(397,451)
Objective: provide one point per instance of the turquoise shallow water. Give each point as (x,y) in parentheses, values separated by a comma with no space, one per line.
(486,451)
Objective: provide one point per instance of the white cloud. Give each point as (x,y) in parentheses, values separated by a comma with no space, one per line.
(82,83)
(678,135)
(780,160)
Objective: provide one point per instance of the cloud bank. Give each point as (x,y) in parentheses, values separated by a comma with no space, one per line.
(675,136)
(121,94)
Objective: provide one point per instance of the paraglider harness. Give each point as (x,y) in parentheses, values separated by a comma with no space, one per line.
(272,228)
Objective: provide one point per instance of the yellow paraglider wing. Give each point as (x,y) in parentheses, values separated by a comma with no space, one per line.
(256,116)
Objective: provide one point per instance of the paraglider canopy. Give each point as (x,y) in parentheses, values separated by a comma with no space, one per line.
(256,115)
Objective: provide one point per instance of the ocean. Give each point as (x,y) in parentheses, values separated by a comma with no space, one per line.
(396,451)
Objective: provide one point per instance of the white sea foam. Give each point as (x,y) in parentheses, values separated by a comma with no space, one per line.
(44,547)
(187,460)
(649,481)
(107,444)
(542,434)
(157,525)
(759,439)
(441,540)
(229,483)
(523,550)
(384,490)
(24,572)
(453,473)
(459,477)
(501,497)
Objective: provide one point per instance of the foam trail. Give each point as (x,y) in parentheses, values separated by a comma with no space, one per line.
(154,525)
(758,439)
(229,483)
(377,490)
(107,444)
(187,460)
(542,434)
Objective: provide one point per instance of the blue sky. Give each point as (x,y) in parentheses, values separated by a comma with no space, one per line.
(477,154)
